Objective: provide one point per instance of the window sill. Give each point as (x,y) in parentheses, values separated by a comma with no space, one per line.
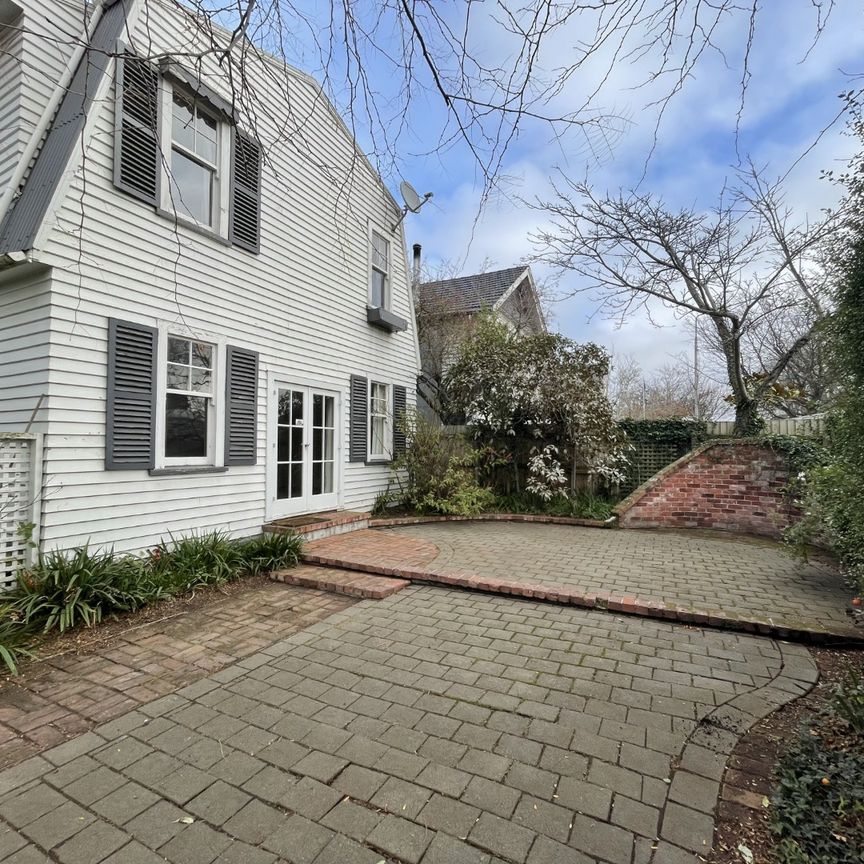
(385,319)
(182,470)
(378,460)
(193,226)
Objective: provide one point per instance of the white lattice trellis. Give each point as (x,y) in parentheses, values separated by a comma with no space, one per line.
(20,481)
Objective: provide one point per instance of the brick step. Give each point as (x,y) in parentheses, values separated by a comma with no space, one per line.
(346,582)
(601,600)
(317,526)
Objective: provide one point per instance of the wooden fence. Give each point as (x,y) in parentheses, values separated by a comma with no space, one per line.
(813,424)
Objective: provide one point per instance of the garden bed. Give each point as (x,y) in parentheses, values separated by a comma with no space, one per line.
(744,822)
(69,590)
(84,639)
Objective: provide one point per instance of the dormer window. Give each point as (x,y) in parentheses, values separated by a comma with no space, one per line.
(194,160)
(177,147)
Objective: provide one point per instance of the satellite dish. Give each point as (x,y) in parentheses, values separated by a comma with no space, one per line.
(413,202)
(409,195)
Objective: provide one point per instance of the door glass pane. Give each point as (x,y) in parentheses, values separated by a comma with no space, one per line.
(284,409)
(296,444)
(316,445)
(289,447)
(283,448)
(296,479)
(282,480)
(317,409)
(328,478)
(316,478)
(329,408)
(328,444)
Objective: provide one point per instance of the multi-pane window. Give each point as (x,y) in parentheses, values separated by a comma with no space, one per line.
(188,399)
(194,160)
(379,420)
(380,271)
(289,455)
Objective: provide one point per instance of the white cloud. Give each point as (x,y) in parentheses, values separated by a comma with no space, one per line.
(788,103)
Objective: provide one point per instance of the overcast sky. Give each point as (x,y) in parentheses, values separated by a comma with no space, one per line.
(791,98)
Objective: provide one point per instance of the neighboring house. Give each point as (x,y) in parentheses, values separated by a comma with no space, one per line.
(447,310)
(213,315)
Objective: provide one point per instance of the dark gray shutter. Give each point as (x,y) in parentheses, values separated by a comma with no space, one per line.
(136,129)
(241,407)
(131,410)
(358,429)
(400,405)
(244,220)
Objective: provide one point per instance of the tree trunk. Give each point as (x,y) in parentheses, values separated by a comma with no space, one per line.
(747,421)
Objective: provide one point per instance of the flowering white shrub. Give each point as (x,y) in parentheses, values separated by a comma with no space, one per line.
(546,477)
(541,386)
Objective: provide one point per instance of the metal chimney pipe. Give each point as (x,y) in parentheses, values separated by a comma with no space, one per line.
(415,270)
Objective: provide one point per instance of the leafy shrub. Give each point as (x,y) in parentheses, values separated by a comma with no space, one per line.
(66,589)
(189,562)
(847,702)
(60,591)
(432,476)
(818,806)
(15,638)
(582,505)
(270,552)
(667,431)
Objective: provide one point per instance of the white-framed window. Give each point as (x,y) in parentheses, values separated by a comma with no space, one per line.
(197,165)
(189,408)
(194,168)
(379,270)
(380,420)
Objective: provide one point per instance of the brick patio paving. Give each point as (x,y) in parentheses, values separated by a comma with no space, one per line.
(435,726)
(727,577)
(60,697)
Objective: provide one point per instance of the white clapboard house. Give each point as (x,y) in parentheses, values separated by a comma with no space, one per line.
(204,297)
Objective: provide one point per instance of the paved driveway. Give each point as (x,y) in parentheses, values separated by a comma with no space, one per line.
(437,726)
(744,578)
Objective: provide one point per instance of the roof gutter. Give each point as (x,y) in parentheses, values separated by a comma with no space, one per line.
(32,146)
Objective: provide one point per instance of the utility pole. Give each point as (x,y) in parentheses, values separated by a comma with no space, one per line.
(696,368)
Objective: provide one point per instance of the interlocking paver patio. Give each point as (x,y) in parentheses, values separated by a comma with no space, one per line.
(727,576)
(258,783)
(59,697)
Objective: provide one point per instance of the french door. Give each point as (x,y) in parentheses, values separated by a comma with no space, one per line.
(303,464)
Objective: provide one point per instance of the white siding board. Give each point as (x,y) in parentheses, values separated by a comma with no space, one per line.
(301,304)
(25,328)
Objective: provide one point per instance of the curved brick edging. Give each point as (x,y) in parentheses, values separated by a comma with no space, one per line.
(396,521)
(698,779)
(602,600)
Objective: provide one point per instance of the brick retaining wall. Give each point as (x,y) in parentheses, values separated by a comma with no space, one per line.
(727,485)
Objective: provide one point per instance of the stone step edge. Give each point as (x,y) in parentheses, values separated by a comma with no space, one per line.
(364,586)
(604,601)
(395,521)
